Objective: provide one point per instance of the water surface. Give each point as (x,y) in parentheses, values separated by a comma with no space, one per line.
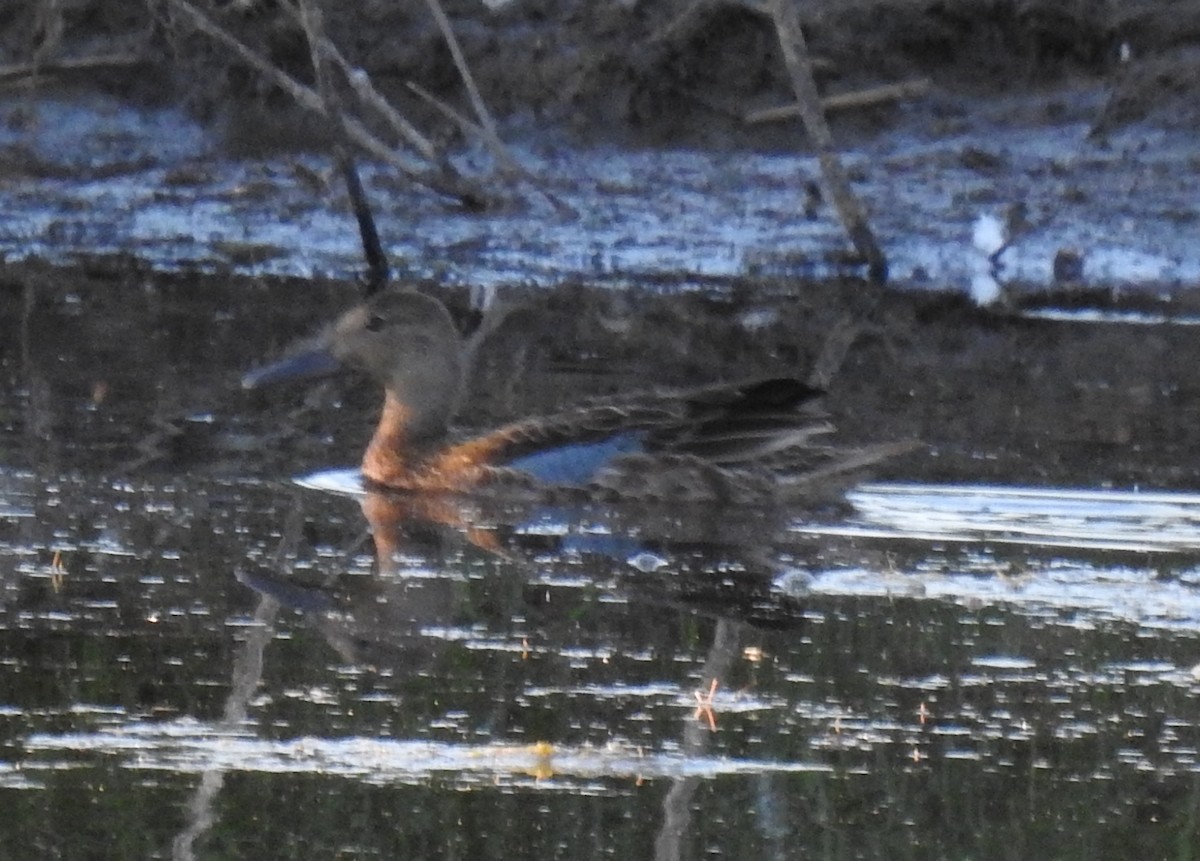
(202,657)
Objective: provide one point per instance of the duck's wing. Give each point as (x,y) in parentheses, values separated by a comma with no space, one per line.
(725,425)
(744,423)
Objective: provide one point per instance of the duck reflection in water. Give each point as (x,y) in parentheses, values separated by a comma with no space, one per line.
(447,568)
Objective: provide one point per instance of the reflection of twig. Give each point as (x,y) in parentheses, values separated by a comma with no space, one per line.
(833,352)
(796,57)
(48,27)
(245,676)
(868,98)
(677,811)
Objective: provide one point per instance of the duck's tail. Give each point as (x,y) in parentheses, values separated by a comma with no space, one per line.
(843,469)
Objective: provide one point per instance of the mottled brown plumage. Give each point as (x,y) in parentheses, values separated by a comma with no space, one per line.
(731,441)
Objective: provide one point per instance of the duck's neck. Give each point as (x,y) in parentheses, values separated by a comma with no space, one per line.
(401,439)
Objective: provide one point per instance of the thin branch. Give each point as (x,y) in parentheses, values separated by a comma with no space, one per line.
(468,127)
(360,82)
(486,129)
(838,341)
(443,181)
(378,270)
(796,57)
(867,98)
(460,62)
(64,66)
(508,164)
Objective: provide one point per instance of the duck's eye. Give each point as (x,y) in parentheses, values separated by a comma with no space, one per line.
(374,323)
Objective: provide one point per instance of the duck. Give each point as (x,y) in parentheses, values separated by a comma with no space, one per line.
(741,441)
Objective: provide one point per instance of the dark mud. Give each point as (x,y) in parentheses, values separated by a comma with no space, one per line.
(1062,129)
(681,72)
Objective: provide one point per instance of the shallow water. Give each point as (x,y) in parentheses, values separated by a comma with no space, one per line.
(203,657)
(209,665)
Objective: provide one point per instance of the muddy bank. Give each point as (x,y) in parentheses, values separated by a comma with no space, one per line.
(993,396)
(1069,125)
(680,73)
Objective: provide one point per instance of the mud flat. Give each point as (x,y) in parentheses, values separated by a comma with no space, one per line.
(1073,125)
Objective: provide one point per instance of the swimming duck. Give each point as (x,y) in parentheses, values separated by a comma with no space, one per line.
(733,442)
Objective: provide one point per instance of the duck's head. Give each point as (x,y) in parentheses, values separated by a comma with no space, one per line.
(404,340)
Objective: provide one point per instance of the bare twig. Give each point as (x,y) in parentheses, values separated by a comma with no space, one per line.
(378,270)
(64,66)
(486,128)
(681,24)
(796,58)
(48,27)
(360,83)
(460,62)
(508,164)
(467,127)
(442,180)
(833,352)
(856,100)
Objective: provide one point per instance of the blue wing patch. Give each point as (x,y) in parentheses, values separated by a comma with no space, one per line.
(577,463)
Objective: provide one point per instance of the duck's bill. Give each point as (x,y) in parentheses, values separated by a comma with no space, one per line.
(310,363)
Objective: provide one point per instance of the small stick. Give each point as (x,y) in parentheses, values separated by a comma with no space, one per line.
(486,129)
(378,270)
(796,57)
(834,350)
(360,83)
(508,164)
(65,66)
(468,127)
(460,62)
(444,180)
(680,24)
(867,98)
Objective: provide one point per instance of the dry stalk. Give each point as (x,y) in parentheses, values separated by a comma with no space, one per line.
(857,100)
(360,83)
(460,62)
(470,128)
(796,57)
(21,71)
(508,164)
(48,25)
(378,269)
(440,178)
(485,129)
